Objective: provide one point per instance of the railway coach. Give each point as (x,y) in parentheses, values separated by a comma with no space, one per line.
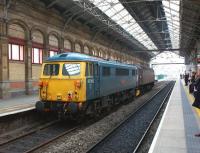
(74,84)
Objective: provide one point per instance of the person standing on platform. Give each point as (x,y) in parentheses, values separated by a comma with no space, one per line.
(192,81)
(186,79)
(197,96)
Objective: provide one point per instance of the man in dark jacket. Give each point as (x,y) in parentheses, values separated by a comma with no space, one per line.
(191,86)
(197,89)
(186,79)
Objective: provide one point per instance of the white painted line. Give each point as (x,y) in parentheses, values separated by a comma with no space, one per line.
(161,123)
(17,111)
(16,107)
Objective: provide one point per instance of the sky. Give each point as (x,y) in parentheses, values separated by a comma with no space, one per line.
(171,70)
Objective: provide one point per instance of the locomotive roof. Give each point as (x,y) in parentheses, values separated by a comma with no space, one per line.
(71,56)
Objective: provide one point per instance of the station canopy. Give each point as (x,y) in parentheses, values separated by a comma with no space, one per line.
(118,13)
(189,27)
(145,26)
(172,8)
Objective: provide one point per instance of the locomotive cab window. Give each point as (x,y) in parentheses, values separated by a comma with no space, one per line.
(51,69)
(71,69)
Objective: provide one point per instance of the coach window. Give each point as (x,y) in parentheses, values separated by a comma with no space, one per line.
(106,71)
(16,52)
(37,56)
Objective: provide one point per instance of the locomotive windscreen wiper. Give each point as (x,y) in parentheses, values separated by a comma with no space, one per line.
(67,73)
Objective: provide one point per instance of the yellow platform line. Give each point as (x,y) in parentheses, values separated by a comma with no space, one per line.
(191,99)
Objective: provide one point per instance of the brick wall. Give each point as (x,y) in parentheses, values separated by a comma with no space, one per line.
(36,71)
(16,71)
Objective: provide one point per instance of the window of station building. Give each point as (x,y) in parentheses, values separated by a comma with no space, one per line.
(86,50)
(37,56)
(77,47)
(16,52)
(106,71)
(121,72)
(52,53)
(93,53)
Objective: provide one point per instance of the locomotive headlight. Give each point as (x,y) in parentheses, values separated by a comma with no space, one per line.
(45,84)
(40,84)
(59,97)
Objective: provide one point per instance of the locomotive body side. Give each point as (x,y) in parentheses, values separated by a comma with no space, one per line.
(120,78)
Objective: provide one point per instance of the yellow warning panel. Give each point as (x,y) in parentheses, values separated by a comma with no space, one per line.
(191,99)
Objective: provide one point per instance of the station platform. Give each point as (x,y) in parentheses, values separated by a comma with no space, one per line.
(179,124)
(17,105)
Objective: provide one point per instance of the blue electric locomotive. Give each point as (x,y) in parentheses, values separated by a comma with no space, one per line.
(74,83)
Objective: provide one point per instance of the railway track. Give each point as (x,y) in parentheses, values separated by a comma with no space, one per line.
(129,134)
(37,138)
